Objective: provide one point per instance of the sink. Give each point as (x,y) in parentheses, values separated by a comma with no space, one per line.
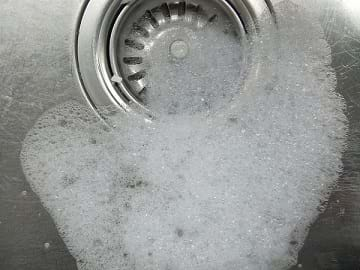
(75,52)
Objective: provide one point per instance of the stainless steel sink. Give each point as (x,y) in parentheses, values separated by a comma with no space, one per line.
(45,61)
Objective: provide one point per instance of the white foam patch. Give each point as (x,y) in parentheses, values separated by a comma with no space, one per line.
(231,188)
(216,60)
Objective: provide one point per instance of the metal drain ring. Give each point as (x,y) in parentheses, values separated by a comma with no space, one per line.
(104,82)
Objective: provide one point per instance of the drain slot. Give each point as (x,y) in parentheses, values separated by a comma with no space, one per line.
(132,60)
(213,18)
(182,8)
(137,76)
(150,18)
(165,11)
(139,30)
(134,44)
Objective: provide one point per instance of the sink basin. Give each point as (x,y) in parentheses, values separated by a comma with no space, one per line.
(72,51)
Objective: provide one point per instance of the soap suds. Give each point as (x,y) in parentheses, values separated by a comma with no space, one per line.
(188,85)
(230,187)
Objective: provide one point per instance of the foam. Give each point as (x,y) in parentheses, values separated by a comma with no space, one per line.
(231,187)
(177,86)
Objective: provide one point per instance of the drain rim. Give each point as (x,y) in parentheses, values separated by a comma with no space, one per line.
(103,90)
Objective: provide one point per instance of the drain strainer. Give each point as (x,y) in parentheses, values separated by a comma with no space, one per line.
(116,41)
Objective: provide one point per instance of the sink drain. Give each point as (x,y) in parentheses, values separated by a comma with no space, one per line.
(116,40)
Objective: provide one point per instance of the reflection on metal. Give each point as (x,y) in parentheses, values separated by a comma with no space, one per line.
(114,38)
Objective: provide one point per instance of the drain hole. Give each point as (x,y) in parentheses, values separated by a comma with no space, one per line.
(173,7)
(213,18)
(134,44)
(177,9)
(142,91)
(137,76)
(197,9)
(192,8)
(165,11)
(150,17)
(132,60)
(137,29)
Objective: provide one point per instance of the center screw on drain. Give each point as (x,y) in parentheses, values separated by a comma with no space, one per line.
(179,49)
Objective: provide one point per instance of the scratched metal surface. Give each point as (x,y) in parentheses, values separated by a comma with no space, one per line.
(333,242)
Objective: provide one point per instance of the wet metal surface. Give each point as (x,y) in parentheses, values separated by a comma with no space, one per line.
(28,236)
(333,242)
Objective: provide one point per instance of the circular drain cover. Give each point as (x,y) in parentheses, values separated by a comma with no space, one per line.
(118,42)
